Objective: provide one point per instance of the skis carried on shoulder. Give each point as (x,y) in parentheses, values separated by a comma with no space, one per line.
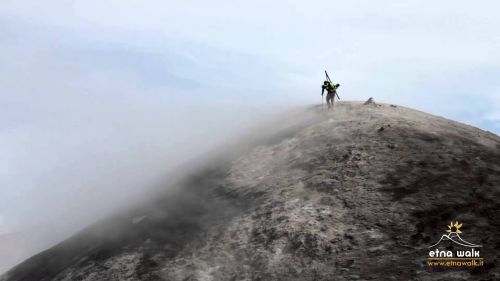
(328,77)
(330,80)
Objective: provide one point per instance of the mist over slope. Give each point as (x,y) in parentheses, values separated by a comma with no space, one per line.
(357,193)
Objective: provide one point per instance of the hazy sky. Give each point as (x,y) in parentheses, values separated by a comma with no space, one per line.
(99,97)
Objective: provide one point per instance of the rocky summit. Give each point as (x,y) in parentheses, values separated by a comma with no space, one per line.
(357,193)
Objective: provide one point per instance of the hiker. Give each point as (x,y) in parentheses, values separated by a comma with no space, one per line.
(331,90)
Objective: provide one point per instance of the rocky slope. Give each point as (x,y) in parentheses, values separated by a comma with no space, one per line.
(354,194)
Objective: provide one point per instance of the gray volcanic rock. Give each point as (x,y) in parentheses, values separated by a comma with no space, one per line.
(359,193)
(370,101)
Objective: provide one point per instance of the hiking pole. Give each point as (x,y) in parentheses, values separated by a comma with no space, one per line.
(329,80)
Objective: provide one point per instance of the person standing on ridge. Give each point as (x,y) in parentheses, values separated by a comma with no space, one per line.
(331,90)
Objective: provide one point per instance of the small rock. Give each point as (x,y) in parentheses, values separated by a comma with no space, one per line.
(370,101)
(381,129)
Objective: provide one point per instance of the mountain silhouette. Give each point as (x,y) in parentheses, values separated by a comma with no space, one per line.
(455,238)
(352,194)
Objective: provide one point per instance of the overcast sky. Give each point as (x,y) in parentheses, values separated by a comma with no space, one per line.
(99,96)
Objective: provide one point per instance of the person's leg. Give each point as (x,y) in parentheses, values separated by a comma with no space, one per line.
(329,100)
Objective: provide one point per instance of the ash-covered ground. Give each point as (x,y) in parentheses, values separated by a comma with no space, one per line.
(359,193)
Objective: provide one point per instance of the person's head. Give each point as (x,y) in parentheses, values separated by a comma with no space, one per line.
(325,83)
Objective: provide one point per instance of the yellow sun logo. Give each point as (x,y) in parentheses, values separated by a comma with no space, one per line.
(454,228)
